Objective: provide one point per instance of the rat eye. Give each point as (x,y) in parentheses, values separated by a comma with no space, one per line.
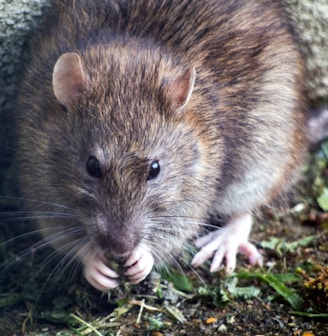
(154,170)
(93,167)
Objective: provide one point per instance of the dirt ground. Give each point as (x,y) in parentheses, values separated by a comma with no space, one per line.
(212,313)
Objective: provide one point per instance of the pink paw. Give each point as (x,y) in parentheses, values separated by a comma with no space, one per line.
(98,274)
(226,243)
(103,278)
(139,265)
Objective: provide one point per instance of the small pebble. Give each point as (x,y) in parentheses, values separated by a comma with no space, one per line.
(211,320)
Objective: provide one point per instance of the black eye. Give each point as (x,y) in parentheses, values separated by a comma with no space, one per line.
(93,167)
(153,170)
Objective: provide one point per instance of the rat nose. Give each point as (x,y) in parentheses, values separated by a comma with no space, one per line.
(118,245)
(116,238)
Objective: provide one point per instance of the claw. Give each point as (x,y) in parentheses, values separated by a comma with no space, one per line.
(225,243)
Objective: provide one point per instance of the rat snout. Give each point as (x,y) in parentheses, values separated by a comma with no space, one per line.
(120,246)
(116,239)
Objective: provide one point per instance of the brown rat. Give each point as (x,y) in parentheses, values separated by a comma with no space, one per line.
(139,120)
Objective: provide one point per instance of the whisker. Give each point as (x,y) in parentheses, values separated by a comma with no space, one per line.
(66,260)
(21,237)
(30,200)
(57,236)
(34,217)
(165,260)
(43,243)
(177,262)
(203,224)
(166,234)
(159,251)
(39,231)
(81,248)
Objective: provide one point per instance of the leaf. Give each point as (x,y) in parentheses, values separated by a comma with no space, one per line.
(311,315)
(55,316)
(323,199)
(292,297)
(281,246)
(271,243)
(324,147)
(275,282)
(301,242)
(240,292)
(180,282)
(288,277)
(176,313)
(247,292)
(155,323)
(10,299)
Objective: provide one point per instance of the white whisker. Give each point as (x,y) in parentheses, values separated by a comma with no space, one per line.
(30,200)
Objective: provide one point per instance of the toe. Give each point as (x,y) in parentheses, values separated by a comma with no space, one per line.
(98,274)
(139,265)
(99,280)
(217,261)
(254,256)
(204,254)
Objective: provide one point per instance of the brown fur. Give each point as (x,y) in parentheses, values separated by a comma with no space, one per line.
(237,143)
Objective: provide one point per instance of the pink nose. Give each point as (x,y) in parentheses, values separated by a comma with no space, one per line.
(121,246)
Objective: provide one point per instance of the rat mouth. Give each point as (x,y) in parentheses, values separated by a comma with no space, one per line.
(119,258)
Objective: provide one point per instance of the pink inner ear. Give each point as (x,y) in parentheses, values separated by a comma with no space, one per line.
(180,89)
(68,78)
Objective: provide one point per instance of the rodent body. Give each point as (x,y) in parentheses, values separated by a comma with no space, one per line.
(139,120)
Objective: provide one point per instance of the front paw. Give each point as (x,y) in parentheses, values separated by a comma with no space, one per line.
(98,274)
(226,243)
(139,265)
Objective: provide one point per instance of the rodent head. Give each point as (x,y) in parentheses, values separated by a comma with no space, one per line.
(121,150)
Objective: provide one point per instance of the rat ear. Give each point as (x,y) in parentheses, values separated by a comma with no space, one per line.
(68,78)
(180,88)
